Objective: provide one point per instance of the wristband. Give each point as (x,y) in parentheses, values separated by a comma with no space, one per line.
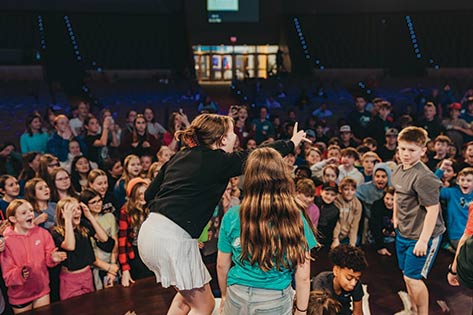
(450,270)
(302,311)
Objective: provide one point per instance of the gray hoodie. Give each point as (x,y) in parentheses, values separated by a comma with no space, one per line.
(368,193)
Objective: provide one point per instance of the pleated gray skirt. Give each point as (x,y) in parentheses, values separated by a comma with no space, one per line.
(171,253)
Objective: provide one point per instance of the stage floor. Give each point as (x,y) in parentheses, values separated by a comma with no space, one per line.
(383,278)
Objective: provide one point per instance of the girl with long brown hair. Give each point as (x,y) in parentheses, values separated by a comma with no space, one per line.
(37,192)
(132,215)
(182,199)
(131,169)
(268,239)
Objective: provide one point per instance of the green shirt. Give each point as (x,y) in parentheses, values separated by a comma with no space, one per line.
(243,273)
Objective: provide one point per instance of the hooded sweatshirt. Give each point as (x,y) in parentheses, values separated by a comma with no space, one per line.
(368,193)
(33,251)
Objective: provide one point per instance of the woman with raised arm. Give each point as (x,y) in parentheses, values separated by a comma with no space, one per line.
(182,199)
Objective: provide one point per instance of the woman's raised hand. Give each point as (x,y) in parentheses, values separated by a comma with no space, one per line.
(298,136)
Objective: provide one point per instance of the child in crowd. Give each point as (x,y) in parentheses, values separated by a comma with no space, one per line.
(305,192)
(132,215)
(347,166)
(416,215)
(371,143)
(441,144)
(458,199)
(153,171)
(131,169)
(34,138)
(343,282)
(38,194)
(154,128)
(98,181)
(60,185)
(106,268)
(29,251)
(80,169)
(448,173)
(97,142)
(328,212)
(47,163)
(381,222)
(371,191)
(10,189)
(72,235)
(368,162)
(334,152)
(388,150)
(146,160)
(312,156)
(30,168)
(467,155)
(163,155)
(114,169)
(74,150)
(346,230)
(139,141)
(321,303)
(261,274)
(329,174)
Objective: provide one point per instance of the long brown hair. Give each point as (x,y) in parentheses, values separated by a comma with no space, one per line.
(206,130)
(136,211)
(43,165)
(30,192)
(272,231)
(125,176)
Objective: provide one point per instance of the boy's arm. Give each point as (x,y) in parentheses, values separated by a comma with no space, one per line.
(395,211)
(430,219)
(357,308)
(353,234)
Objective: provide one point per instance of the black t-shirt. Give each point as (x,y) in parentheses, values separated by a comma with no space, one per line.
(83,255)
(324,281)
(359,123)
(93,152)
(329,214)
(386,154)
(433,128)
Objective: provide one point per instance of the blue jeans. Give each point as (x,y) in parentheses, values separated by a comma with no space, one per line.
(244,300)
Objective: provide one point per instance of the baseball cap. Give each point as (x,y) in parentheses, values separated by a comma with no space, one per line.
(310,133)
(456,106)
(330,186)
(392,132)
(345,128)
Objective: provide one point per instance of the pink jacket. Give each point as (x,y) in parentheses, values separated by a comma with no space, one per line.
(32,251)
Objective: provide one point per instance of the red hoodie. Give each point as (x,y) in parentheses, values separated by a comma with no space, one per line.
(33,251)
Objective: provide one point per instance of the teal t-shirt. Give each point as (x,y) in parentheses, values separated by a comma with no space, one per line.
(243,273)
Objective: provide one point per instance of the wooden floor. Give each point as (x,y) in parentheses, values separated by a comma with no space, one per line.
(383,278)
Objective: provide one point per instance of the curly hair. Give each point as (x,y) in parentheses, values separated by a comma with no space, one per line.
(346,256)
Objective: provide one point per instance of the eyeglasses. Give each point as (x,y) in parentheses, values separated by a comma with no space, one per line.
(54,164)
(94,202)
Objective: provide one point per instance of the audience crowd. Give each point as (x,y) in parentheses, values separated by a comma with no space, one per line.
(77,184)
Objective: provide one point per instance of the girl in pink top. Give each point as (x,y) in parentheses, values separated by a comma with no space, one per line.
(29,251)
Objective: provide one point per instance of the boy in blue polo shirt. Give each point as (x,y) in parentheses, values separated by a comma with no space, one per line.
(416,216)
